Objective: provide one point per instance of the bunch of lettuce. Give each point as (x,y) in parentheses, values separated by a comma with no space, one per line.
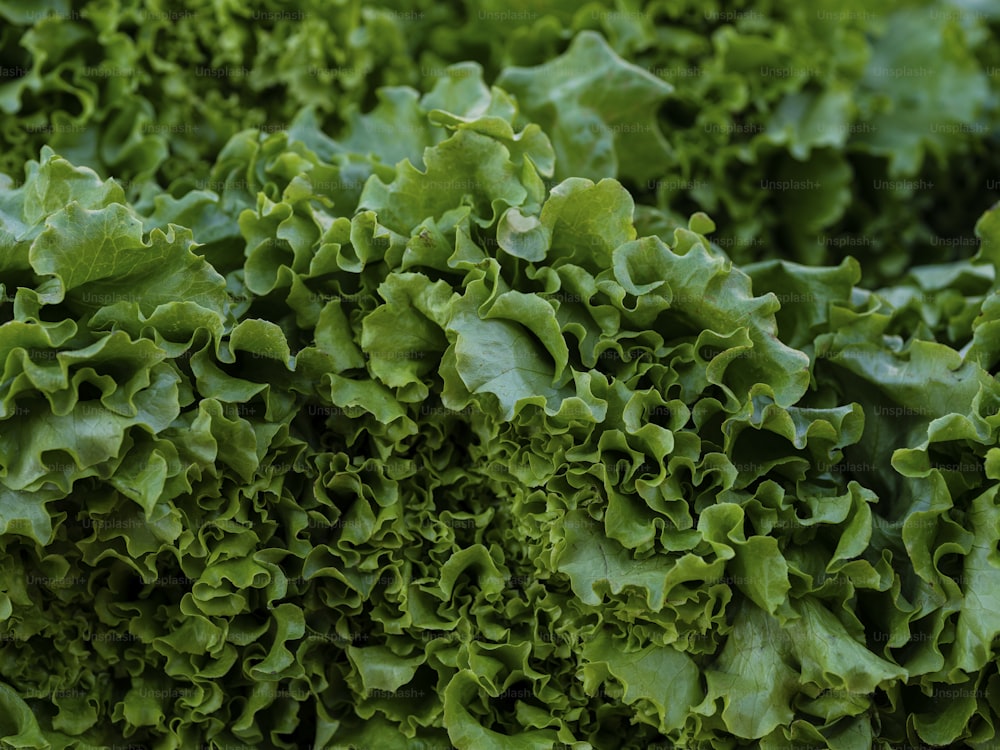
(412,439)
(407,424)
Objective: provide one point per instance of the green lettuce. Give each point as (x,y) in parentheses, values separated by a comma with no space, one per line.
(423,421)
